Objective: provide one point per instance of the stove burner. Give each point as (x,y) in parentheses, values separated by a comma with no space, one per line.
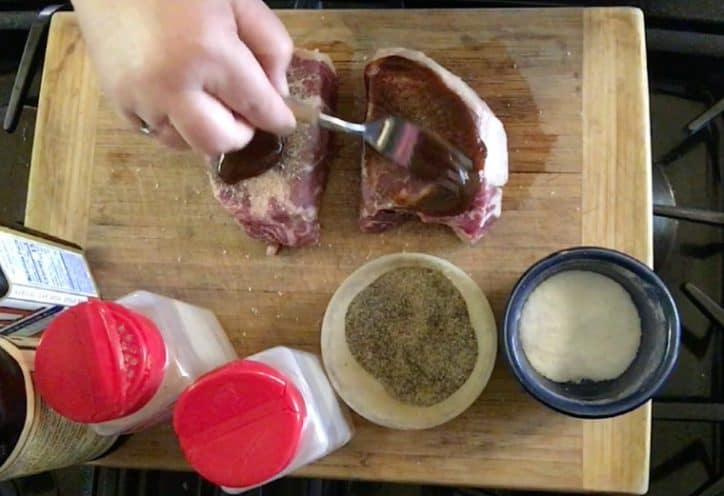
(665,210)
(705,304)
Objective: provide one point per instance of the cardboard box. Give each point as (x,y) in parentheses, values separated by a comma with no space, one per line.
(40,276)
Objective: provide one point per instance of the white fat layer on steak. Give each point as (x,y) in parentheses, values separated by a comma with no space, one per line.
(317,56)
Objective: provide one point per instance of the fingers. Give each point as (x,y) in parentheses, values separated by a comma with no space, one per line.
(168,135)
(265,35)
(207,125)
(237,85)
(245,88)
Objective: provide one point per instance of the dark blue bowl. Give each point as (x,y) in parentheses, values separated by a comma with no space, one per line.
(656,355)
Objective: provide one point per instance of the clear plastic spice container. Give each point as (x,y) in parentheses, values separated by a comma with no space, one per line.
(258,419)
(121,366)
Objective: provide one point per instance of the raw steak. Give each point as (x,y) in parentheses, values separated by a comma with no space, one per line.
(281,205)
(411,85)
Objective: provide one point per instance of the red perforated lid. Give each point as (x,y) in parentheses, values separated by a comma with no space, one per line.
(240,424)
(99,361)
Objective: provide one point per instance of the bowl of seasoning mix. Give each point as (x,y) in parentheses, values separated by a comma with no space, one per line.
(409,341)
(591,332)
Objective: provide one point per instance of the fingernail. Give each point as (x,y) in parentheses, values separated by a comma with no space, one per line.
(289,129)
(281,85)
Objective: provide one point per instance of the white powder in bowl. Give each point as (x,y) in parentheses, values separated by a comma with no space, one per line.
(579,325)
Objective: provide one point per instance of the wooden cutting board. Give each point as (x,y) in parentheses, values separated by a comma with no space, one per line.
(570,86)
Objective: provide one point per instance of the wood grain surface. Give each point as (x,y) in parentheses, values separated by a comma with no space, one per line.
(570,87)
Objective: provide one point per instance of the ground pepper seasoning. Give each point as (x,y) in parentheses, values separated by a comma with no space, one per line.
(411,330)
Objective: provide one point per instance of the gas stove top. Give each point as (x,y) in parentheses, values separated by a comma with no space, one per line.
(687,439)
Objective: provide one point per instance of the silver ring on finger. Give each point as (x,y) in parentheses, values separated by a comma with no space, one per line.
(145,129)
(216,162)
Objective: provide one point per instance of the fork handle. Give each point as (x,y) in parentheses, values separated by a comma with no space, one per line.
(311,115)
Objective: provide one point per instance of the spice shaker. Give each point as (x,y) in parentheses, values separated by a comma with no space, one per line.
(258,419)
(121,366)
(33,438)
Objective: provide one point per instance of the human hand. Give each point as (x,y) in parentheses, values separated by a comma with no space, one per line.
(199,73)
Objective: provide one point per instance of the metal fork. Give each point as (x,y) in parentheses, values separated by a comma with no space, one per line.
(425,154)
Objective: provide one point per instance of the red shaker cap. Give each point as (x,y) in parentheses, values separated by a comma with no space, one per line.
(99,361)
(240,424)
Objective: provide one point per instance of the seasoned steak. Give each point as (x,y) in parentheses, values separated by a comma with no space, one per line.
(281,205)
(409,84)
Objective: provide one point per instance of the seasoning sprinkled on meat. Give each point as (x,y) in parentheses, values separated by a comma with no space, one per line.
(281,205)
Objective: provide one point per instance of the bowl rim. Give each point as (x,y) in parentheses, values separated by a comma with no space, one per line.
(571,407)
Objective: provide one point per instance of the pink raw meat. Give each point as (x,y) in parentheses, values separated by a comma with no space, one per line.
(281,205)
(411,85)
